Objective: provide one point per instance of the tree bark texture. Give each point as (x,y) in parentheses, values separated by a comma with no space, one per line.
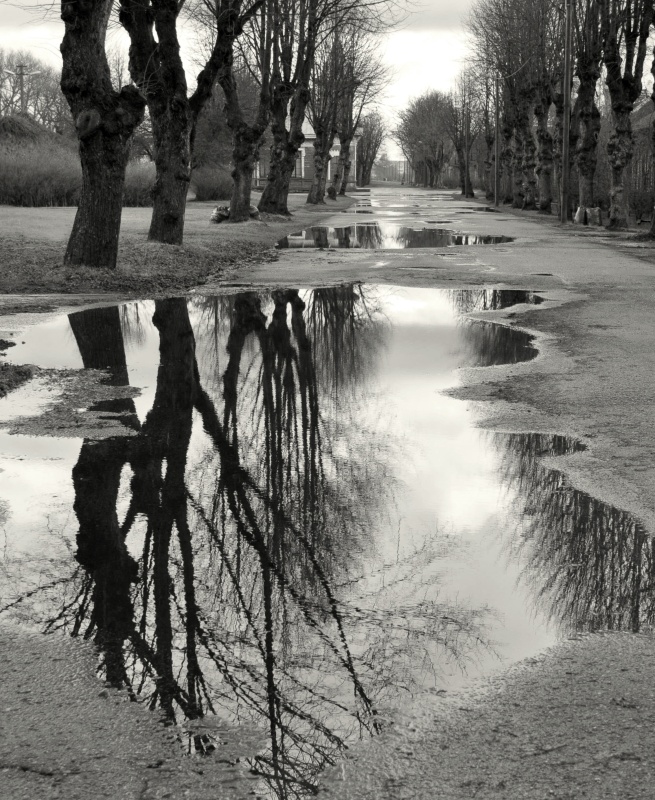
(544,168)
(156,67)
(322,146)
(105,121)
(558,101)
(244,159)
(345,178)
(489,165)
(586,151)
(528,156)
(619,151)
(171,133)
(518,195)
(651,231)
(284,150)
(338,179)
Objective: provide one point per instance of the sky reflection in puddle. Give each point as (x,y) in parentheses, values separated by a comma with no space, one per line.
(384,236)
(304,530)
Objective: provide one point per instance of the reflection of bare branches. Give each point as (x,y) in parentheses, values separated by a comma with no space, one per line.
(592,562)
(241,592)
(490,344)
(465,301)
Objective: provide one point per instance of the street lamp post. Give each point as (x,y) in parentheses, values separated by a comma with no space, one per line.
(497,147)
(467,136)
(566,128)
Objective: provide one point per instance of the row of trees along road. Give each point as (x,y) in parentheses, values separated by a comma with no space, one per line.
(522,43)
(284,44)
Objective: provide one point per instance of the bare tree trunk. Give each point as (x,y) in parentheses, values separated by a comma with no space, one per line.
(244,159)
(347,165)
(284,151)
(94,239)
(156,67)
(105,121)
(528,161)
(286,143)
(338,183)
(274,199)
(489,163)
(545,150)
(322,147)
(461,168)
(619,150)
(517,170)
(558,139)
(171,134)
(586,151)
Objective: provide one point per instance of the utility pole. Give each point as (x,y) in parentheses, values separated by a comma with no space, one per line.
(497,147)
(566,131)
(467,145)
(21,75)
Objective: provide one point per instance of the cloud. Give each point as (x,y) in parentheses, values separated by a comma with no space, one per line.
(438,16)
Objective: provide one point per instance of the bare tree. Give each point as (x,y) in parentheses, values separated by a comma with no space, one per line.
(297,26)
(156,67)
(324,92)
(365,76)
(463,123)
(368,146)
(588,45)
(625,27)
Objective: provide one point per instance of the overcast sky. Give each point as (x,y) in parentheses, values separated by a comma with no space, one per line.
(426,52)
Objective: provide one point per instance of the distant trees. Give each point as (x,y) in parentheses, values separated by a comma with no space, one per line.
(422,135)
(372,134)
(42,97)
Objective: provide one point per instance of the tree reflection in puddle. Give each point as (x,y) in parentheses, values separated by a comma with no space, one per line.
(271,549)
(592,564)
(384,236)
(225,548)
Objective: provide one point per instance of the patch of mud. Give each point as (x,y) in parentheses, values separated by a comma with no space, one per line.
(82,408)
(12,376)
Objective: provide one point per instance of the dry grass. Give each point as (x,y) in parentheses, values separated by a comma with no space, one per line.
(33,241)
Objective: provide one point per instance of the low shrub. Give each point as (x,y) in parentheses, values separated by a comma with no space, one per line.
(139,180)
(44,173)
(211,183)
(39,174)
(642,202)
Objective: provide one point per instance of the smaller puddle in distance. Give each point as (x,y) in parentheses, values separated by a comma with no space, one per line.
(383,236)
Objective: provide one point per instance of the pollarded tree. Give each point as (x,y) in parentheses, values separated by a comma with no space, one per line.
(105,120)
(625,27)
(156,67)
(589,51)
(297,24)
(521,41)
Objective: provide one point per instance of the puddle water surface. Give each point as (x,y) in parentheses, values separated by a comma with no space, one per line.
(302,531)
(384,236)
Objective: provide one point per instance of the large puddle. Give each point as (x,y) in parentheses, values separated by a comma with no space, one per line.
(384,236)
(301,531)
